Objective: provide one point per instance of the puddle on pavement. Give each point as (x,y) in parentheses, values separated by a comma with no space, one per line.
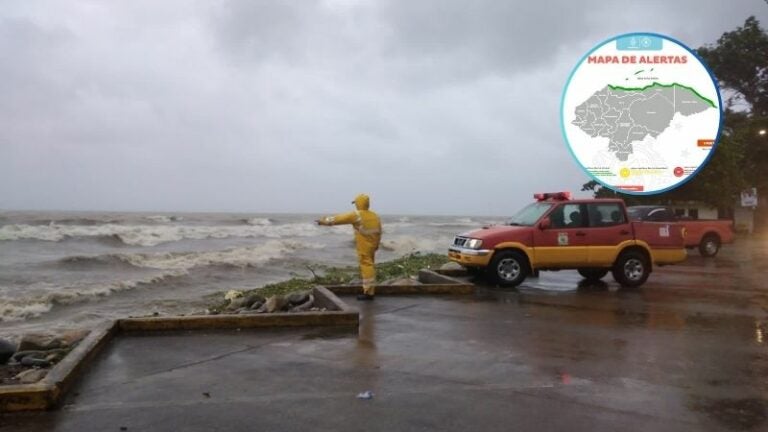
(740,414)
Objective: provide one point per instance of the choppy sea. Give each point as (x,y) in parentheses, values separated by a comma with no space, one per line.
(65,270)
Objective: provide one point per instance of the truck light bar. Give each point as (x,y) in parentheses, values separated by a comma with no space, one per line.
(556,196)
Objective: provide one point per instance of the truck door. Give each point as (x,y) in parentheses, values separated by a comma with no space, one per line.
(563,244)
(608,228)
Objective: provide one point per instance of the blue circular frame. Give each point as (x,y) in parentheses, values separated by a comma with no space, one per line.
(719,102)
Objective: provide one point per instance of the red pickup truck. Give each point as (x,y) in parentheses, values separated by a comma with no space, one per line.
(706,234)
(593,236)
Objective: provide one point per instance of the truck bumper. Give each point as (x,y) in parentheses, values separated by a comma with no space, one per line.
(669,256)
(470,257)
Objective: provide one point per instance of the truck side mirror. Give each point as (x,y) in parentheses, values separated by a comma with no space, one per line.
(545,223)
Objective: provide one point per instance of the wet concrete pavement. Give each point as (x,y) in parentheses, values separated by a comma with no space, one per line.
(687,351)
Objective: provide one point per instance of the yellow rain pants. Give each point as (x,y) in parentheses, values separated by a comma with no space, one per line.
(367,227)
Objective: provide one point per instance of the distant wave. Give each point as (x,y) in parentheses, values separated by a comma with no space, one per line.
(185,261)
(257,221)
(460,222)
(164,218)
(152,235)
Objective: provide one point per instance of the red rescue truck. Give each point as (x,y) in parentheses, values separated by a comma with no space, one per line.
(593,236)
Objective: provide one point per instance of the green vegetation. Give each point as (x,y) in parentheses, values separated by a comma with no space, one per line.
(405,266)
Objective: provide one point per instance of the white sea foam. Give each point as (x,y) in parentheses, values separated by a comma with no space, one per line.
(402,245)
(459,222)
(257,221)
(237,257)
(152,235)
(159,218)
(40,297)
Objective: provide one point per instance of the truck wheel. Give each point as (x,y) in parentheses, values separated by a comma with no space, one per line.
(709,245)
(631,269)
(508,268)
(592,274)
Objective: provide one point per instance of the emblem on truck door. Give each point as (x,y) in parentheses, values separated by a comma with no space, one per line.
(562,239)
(664,231)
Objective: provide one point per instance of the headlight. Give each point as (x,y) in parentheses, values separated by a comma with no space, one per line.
(473,244)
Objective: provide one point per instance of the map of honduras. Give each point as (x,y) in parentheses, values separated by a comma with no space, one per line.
(627,115)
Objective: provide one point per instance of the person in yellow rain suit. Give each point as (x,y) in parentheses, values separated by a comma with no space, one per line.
(367,227)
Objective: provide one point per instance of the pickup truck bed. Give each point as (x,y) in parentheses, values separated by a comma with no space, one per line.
(705,234)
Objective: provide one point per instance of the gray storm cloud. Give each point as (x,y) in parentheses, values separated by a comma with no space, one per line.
(432,107)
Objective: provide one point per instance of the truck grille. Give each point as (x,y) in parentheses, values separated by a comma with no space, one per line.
(460,241)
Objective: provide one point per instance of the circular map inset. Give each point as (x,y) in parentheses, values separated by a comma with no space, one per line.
(641,113)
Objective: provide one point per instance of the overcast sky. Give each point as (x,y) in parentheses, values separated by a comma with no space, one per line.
(431,107)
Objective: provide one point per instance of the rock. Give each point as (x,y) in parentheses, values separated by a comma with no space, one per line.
(306,305)
(72,337)
(31,361)
(39,342)
(236,303)
(251,299)
(297,298)
(34,354)
(257,305)
(250,312)
(232,294)
(54,357)
(6,350)
(30,376)
(451,266)
(275,303)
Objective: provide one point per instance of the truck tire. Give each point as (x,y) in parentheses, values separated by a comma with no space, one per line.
(592,274)
(710,245)
(631,269)
(508,268)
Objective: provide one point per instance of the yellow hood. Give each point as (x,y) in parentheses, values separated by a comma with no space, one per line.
(362,202)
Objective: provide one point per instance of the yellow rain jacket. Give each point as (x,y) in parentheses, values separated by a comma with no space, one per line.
(367,227)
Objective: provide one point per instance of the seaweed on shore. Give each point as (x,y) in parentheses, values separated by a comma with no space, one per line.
(405,266)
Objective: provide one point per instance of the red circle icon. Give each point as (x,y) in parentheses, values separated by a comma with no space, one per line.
(678,171)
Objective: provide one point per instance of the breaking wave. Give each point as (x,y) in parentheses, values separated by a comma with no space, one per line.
(460,222)
(257,221)
(40,298)
(164,218)
(184,261)
(152,235)
(402,245)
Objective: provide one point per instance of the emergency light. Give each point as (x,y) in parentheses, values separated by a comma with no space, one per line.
(556,196)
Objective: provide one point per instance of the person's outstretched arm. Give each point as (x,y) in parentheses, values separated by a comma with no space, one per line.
(339,219)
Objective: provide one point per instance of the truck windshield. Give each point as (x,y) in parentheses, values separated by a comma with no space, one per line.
(529,214)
